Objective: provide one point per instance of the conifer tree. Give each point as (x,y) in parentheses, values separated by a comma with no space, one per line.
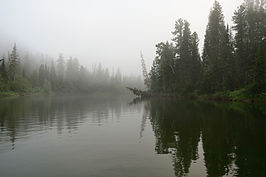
(217,52)
(260,67)
(166,53)
(250,27)
(60,68)
(187,58)
(13,66)
(196,60)
(154,76)
(241,44)
(41,75)
(3,70)
(53,76)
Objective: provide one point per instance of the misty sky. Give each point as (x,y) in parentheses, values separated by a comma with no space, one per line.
(108,31)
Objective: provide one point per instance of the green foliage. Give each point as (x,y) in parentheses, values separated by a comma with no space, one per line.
(3,85)
(47,87)
(260,67)
(217,53)
(20,84)
(8,94)
(71,77)
(250,28)
(3,71)
(177,66)
(228,63)
(13,65)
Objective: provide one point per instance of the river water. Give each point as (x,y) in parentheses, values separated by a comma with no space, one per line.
(105,136)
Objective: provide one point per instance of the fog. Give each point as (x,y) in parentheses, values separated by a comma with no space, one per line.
(101,31)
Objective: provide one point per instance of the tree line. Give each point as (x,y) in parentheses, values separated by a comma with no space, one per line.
(232,58)
(32,73)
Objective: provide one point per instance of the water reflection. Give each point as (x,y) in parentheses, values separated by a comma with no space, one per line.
(22,117)
(233,136)
(117,138)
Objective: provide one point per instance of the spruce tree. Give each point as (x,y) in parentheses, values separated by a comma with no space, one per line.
(154,76)
(260,68)
(53,75)
(196,60)
(187,61)
(217,52)
(165,53)
(241,44)
(3,70)
(41,75)
(250,27)
(60,68)
(13,66)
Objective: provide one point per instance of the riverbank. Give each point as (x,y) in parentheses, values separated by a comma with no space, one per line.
(241,95)
(8,94)
(34,91)
(37,91)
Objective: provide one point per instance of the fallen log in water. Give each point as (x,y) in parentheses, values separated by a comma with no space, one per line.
(139,93)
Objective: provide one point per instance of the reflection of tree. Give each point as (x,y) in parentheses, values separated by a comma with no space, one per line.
(233,141)
(217,141)
(177,132)
(144,119)
(19,117)
(233,136)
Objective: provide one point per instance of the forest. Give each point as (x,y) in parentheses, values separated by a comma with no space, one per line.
(32,73)
(232,63)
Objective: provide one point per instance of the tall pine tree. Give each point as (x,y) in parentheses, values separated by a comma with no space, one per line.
(217,52)
(13,66)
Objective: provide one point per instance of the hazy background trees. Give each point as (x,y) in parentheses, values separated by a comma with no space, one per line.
(25,73)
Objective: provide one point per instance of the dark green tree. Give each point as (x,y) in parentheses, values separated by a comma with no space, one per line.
(187,58)
(13,65)
(154,76)
(166,54)
(217,52)
(3,70)
(260,67)
(241,44)
(196,65)
(250,27)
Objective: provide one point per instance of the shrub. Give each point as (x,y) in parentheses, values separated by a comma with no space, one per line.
(47,87)
(20,84)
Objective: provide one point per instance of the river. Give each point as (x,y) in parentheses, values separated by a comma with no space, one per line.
(110,136)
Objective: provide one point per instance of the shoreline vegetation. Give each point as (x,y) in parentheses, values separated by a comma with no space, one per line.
(242,95)
(232,66)
(27,74)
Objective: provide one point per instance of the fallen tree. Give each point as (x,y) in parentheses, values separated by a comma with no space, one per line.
(139,93)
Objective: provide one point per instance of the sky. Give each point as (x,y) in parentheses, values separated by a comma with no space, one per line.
(111,32)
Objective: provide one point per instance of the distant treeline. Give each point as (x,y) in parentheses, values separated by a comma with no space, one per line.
(232,58)
(33,73)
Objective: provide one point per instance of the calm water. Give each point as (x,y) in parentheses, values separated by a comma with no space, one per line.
(115,137)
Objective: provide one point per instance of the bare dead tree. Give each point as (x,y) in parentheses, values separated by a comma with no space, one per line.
(144,71)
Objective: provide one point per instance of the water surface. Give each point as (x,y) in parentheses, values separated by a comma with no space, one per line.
(112,136)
